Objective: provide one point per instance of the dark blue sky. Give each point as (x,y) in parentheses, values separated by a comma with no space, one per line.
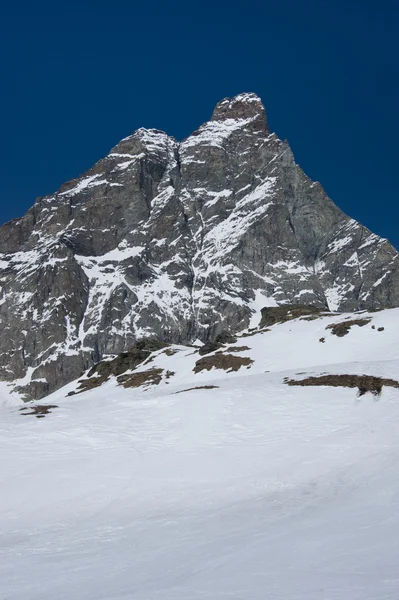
(76,81)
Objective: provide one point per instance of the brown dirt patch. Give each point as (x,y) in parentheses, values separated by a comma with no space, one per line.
(200,387)
(38,410)
(150,377)
(341,329)
(364,383)
(227,362)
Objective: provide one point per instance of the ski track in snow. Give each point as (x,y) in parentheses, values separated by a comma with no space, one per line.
(251,491)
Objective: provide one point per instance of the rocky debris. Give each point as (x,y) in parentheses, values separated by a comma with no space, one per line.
(227,362)
(281,314)
(38,410)
(177,241)
(341,329)
(364,383)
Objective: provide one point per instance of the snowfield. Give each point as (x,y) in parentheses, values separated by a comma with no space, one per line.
(252,490)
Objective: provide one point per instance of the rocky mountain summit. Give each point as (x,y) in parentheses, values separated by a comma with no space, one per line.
(179,241)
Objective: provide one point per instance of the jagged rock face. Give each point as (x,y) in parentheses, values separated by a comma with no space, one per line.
(179,241)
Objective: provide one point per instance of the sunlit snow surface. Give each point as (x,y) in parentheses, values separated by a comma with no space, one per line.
(251,491)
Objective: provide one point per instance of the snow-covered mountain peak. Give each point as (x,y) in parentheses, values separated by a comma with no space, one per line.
(150,141)
(241,107)
(179,241)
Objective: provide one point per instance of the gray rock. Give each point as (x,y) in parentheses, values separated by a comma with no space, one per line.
(180,241)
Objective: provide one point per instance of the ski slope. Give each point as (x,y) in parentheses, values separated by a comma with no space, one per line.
(252,490)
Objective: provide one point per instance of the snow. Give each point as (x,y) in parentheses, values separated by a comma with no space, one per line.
(291,267)
(371,239)
(213,133)
(117,255)
(253,490)
(260,301)
(81,185)
(339,243)
(224,236)
(124,165)
(216,196)
(353,261)
(245,97)
(8,398)
(120,155)
(106,274)
(381,279)
(335,293)
(161,200)
(155,141)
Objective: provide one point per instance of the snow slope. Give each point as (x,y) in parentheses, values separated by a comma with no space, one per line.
(252,490)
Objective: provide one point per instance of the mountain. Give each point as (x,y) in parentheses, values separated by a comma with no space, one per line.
(180,241)
(211,484)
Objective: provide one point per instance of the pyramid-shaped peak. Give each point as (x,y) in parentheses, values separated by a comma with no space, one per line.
(242,106)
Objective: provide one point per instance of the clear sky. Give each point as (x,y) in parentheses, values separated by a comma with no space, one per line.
(76,80)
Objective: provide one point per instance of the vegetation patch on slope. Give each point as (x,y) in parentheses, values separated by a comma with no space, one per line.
(126,361)
(364,383)
(341,329)
(280,314)
(237,349)
(227,362)
(150,377)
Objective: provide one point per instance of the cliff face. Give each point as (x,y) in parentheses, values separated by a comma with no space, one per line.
(179,241)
